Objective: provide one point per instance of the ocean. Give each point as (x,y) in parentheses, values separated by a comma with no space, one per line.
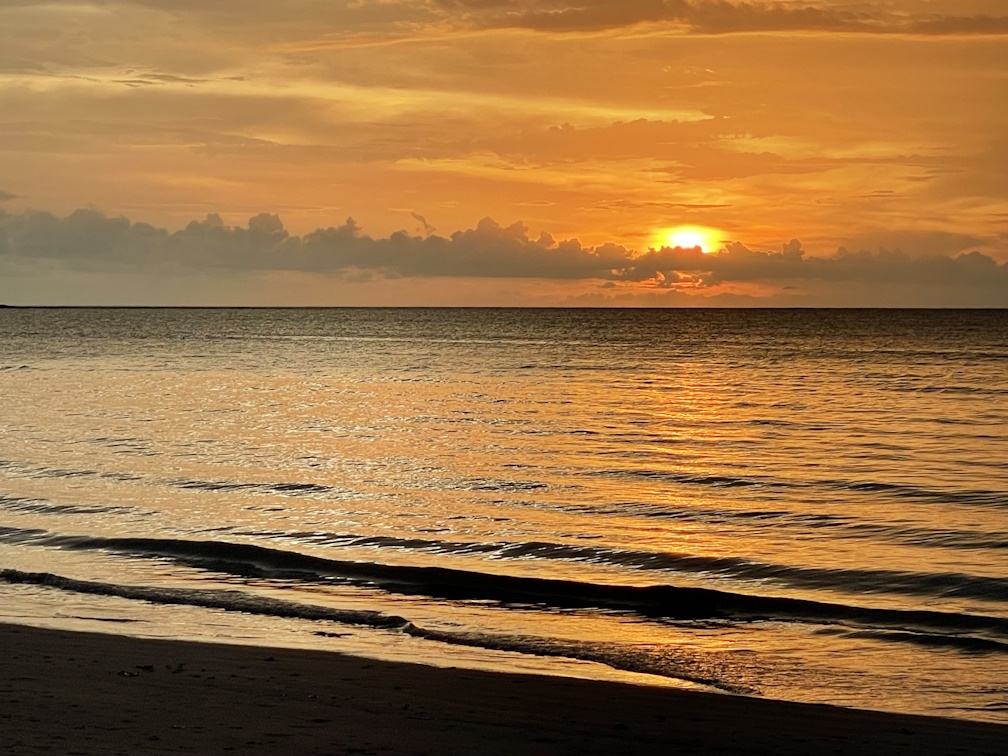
(808,505)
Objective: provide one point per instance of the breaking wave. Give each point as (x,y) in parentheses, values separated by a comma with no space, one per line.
(688,666)
(659,601)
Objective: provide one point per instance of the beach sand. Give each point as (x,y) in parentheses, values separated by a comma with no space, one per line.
(84,693)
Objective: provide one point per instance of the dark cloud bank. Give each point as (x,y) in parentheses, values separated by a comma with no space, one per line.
(88,241)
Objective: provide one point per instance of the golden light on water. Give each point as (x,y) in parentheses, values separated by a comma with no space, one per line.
(688,237)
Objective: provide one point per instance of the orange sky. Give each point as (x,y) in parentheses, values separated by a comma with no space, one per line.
(876,127)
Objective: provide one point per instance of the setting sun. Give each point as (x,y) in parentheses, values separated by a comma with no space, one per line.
(652,349)
(689,237)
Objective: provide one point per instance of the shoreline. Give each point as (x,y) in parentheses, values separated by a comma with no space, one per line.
(71,692)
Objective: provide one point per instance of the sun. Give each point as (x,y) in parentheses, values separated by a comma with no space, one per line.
(689,237)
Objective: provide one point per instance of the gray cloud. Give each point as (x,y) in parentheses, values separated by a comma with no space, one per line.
(721,17)
(87,240)
(4,196)
(923,243)
(300,18)
(428,228)
(736,264)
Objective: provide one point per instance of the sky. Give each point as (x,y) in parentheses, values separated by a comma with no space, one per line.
(504,152)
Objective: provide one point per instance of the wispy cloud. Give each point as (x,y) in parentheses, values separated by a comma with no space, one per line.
(721,17)
(428,228)
(869,125)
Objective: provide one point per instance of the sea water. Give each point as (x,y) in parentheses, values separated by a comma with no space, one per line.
(809,505)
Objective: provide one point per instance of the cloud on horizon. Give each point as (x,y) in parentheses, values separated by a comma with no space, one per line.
(36,243)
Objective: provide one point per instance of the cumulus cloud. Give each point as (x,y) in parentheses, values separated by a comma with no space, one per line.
(90,241)
(87,238)
(736,263)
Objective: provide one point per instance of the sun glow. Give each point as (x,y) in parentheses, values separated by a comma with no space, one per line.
(689,237)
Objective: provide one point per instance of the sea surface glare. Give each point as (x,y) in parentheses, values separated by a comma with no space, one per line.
(808,505)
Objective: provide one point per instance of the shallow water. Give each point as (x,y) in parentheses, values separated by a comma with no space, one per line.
(810,505)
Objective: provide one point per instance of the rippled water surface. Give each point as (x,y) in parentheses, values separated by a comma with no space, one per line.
(809,505)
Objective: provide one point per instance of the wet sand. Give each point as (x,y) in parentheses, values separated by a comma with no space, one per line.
(84,693)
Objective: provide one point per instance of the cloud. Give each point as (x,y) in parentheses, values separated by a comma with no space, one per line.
(87,240)
(302,20)
(738,264)
(428,228)
(720,17)
(923,243)
(623,204)
(949,25)
(5,196)
(135,79)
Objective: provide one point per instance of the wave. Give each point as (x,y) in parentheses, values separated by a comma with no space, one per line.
(24,504)
(903,491)
(840,525)
(660,601)
(715,669)
(756,485)
(899,491)
(952,389)
(277,488)
(844,580)
(228,600)
(247,559)
(674,663)
(45,472)
(966,644)
(282,488)
(918,536)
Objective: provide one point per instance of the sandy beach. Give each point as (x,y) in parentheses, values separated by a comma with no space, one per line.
(84,693)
